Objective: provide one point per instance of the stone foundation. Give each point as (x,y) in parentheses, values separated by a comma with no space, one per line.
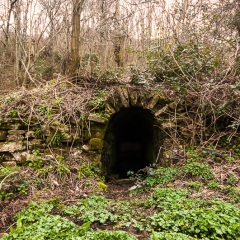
(20,137)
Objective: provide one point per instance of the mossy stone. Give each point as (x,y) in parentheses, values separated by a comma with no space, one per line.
(98,131)
(98,118)
(10,126)
(96,143)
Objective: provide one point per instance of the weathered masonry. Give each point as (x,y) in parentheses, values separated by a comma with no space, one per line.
(130,132)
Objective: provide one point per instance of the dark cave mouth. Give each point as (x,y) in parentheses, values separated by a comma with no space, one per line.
(129,142)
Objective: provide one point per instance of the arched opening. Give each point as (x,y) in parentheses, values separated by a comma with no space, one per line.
(130,142)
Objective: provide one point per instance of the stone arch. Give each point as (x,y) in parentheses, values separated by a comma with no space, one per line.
(136,128)
(132,141)
(131,96)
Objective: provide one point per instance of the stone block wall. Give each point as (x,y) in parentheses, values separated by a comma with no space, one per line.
(19,138)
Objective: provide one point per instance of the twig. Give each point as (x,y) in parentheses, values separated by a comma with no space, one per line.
(10,174)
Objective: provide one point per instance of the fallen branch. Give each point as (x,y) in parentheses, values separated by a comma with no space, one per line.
(10,174)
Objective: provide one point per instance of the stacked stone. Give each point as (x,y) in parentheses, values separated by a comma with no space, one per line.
(18,138)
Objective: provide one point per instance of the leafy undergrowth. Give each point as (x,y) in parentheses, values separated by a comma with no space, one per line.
(194,200)
(167,213)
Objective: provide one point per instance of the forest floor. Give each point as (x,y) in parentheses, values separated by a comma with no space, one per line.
(178,202)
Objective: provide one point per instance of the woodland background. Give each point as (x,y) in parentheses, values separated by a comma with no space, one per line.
(164,41)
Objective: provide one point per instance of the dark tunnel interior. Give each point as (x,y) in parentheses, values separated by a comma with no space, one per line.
(129,142)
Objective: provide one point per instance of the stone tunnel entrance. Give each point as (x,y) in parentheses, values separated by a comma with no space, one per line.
(130,142)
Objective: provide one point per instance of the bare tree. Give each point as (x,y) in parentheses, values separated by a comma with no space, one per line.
(41,37)
(17,20)
(6,30)
(77,7)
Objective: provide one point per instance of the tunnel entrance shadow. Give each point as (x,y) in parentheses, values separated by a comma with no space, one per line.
(130,142)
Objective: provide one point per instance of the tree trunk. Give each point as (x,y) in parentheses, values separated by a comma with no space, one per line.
(17,16)
(236,23)
(237,16)
(117,42)
(75,43)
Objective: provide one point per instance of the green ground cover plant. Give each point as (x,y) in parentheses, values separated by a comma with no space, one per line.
(91,209)
(169,236)
(37,222)
(109,235)
(200,170)
(213,219)
(48,227)
(167,213)
(161,176)
(161,208)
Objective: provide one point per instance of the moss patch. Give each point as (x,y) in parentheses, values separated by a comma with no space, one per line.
(96,143)
(98,130)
